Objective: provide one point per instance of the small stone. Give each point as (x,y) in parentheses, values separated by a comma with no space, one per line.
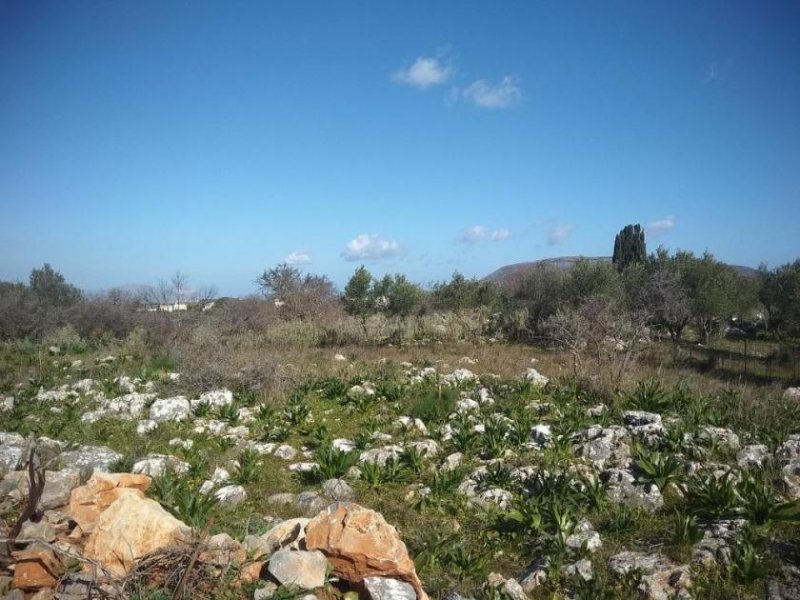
(265,591)
(339,490)
(535,576)
(791,393)
(284,498)
(303,569)
(146,426)
(289,534)
(381,455)
(58,486)
(170,409)
(285,451)
(230,495)
(384,588)
(753,456)
(721,436)
(41,531)
(156,465)
(584,533)
(536,378)
(513,589)
(452,461)
(36,567)
(581,569)
(89,459)
(310,502)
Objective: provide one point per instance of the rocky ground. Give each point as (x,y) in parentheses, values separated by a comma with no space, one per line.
(119,485)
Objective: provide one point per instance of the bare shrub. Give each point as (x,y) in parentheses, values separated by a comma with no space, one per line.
(112,314)
(598,329)
(206,361)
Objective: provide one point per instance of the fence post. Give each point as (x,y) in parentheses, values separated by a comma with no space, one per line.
(745,357)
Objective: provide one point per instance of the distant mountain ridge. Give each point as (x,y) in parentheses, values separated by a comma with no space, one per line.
(508,275)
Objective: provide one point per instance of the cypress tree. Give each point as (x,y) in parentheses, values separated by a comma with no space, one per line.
(629,247)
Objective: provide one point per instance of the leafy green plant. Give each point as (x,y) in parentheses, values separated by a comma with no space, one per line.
(389,390)
(746,564)
(363,438)
(413,459)
(463,438)
(621,520)
(494,439)
(320,435)
(371,474)
(297,409)
(445,482)
(332,388)
(761,506)
(247,467)
(496,475)
(465,562)
(270,426)
(186,503)
(714,496)
(526,516)
(333,463)
(649,396)
(594,492)
(686,531)
(122,465)
(556,486)
(228,413)
(596,588)
(657,468)
(393,471)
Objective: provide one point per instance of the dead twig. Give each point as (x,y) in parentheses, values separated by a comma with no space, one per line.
(36,480)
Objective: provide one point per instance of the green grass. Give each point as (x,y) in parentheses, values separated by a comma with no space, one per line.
(455,544)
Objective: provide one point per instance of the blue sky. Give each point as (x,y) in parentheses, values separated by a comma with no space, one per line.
(137,138)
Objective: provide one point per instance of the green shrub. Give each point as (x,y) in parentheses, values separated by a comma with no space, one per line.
(66,338)
(431,403)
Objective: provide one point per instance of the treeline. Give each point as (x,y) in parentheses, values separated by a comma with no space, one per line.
(589,303)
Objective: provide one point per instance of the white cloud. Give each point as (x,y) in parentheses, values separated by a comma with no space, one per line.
(298,257)
(424,73)
(558,234)
(484,94)
(662,225)
(479,233)
(370,247)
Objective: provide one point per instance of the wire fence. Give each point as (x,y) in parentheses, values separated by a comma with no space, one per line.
(747,359)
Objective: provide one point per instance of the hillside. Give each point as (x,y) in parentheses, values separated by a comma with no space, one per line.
(508,275)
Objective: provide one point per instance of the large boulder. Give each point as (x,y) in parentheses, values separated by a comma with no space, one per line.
(359,543)
(130,528)
(88,501)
